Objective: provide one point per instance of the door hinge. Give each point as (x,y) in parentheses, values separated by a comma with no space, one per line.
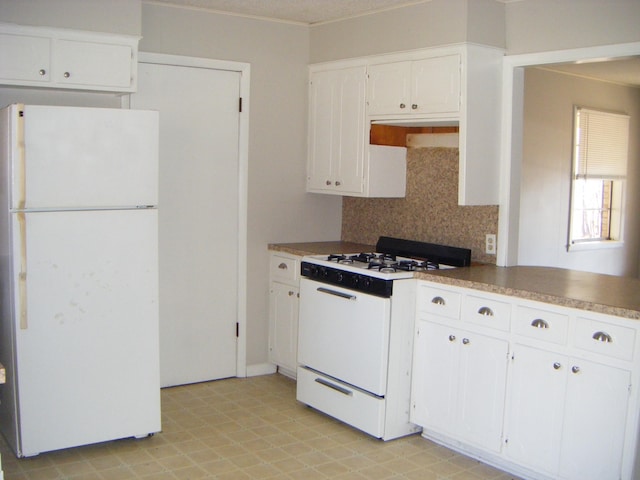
(240,104)
(237,329)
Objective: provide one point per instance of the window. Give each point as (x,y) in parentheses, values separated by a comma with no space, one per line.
(600,148)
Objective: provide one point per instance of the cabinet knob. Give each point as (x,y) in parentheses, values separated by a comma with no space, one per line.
(283,266)
(338,183)
(438,301)
(575,369)
(328,182)
(42,72)
(414,106)
(66,74)
(539,323)
(291,293)
(402,105)
(602,337)
(452,338)
(466,341)
(556,366)
(486,311)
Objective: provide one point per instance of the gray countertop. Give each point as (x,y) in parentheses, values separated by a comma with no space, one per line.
(608,294)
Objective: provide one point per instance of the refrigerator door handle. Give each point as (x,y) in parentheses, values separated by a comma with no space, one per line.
(21,182)
(22,276)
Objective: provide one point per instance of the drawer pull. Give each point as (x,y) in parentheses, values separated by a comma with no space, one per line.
(283,266)
(452,338)
(602,337)
(333,386)
(291,293)
(465,341)
(438,301)
(486,311)
(575,369)
(557,366)
(539,323)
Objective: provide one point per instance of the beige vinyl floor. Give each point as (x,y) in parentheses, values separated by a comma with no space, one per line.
(250,428)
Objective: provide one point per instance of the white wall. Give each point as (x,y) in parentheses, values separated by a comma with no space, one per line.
(428,24)
(546,172)
(545,25)
(279,210)
(114,16)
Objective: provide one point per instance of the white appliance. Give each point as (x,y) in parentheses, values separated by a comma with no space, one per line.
(79,276)
(355,332)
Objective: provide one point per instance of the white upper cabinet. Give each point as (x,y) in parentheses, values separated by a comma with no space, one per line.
(69,59)
(340,159)
(456,85)
(419,87)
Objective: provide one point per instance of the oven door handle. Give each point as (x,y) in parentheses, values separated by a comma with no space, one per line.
(337,294)
(333,386)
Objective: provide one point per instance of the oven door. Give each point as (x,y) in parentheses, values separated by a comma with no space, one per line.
(344,334)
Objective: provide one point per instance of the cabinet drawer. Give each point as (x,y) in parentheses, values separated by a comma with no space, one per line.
(284,268)
(605,338)
(541,324)
(487,312)
(439,302)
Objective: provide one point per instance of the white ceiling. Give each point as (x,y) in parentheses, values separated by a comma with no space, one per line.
(311,12)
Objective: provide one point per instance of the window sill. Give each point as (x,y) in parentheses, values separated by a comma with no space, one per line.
(607,244)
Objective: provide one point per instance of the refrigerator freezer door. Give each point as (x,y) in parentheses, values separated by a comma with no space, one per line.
(87,357)
(69,157)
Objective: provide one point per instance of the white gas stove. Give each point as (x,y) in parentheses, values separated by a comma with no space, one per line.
(356,332)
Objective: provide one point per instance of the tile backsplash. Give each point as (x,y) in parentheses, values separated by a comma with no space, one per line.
(429,212)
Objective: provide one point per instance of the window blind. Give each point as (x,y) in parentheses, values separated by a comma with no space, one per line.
(602,144)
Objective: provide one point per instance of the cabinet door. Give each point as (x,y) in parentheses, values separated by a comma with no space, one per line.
(389,88)
(435,85)
(283,325)
(337,131)
(594,421)
(25,58)
(93,64)
(482,373)
(435,377)
(536,403)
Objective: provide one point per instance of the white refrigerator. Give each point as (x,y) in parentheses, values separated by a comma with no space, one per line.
(78,276)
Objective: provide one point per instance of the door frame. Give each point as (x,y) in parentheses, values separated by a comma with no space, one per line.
(244,69)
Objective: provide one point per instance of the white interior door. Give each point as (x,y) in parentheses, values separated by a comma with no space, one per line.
(198,217)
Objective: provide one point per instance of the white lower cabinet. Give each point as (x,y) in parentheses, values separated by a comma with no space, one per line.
(562,404)
(284,299)
(468,370)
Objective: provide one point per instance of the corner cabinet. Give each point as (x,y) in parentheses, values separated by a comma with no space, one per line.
(548,393)
(284,298)
(67,59)
(457,85)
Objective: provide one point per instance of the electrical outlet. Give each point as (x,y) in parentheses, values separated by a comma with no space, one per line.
(490,244)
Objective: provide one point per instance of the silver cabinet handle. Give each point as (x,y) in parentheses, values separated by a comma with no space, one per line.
(486,311)
(333,386)
(438,301)
(575,369)
(283,266)
(414,106)
(338,183)
(557,366)
(42,72)
(335,293)
(452,338)
(402,105)
(539,323)
(466,341)
(66,74)
(602,337)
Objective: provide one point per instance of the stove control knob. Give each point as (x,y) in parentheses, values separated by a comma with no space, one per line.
(355,280)
(340,277)
(366,282)
(324,272)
